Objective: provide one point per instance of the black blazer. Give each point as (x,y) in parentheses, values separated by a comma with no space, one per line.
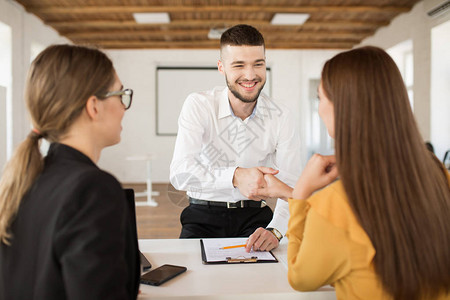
(73,237)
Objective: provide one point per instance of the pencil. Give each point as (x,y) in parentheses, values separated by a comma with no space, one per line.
(231,247)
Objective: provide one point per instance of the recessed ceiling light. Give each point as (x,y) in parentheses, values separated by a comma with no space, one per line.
(289,19)
(216,33)
(151,18)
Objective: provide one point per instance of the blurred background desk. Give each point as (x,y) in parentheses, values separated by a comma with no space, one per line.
(149,193)
(237,281)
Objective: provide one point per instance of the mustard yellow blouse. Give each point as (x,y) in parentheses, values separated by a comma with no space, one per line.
(330,247)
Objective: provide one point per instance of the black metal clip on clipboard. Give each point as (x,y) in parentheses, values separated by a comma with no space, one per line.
(234,260)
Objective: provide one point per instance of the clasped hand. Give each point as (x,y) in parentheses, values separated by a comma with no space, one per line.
(320,171)
(249,180)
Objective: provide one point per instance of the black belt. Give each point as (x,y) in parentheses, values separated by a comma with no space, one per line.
(239,204)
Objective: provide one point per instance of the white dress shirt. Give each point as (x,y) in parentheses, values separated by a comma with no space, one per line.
(212,142)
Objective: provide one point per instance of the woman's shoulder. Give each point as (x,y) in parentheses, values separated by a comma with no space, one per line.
(92,189)
(95,178)
(332,198)
(67,164)
(82,173)
(77,181)
(332,204)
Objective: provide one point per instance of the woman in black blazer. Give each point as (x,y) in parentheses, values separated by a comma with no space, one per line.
(65,228)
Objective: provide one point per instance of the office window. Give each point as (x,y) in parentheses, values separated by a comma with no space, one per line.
(440,90)
(6,83)
(318,139)
(402,54)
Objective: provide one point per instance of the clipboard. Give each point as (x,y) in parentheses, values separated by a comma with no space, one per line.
(252,257)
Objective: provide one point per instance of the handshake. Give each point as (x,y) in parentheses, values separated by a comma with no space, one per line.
(260,183)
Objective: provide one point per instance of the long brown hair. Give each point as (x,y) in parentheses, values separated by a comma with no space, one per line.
(59,82)
(398,191)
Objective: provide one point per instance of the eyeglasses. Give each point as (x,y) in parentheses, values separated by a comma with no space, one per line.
(126,96)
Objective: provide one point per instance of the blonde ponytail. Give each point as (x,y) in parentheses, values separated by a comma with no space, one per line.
(18,176)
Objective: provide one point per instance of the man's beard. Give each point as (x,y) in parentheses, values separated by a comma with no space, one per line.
(241,97)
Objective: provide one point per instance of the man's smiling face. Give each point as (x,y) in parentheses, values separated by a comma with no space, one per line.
(244,68)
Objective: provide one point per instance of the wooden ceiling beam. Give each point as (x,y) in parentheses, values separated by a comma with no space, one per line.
(271,43)
(311,45)
(215,45)
(151,44)
(108,9)
(141,33)
(120,34)
(210,23)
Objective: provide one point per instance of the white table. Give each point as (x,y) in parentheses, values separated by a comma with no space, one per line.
(149,192)
(237,281)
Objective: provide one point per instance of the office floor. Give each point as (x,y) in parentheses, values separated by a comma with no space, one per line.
(163,221)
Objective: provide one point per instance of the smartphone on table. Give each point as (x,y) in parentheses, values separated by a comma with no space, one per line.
(162,274)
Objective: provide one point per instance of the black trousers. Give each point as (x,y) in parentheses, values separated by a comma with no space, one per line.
(203,221)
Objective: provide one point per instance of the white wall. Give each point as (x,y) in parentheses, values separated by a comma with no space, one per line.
(291,71)
(26,30)
(415,25)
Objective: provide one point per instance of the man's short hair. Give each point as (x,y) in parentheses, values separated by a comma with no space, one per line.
(241,35)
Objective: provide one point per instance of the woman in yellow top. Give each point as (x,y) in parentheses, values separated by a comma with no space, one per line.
(382,231)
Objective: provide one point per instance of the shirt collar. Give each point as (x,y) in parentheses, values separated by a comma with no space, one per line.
(224,104)
(225,109)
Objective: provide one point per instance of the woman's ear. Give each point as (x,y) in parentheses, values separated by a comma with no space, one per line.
(92,108)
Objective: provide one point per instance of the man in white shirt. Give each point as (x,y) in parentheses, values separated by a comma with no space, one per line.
(228,138)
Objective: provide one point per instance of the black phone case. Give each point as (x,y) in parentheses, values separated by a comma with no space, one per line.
(162,280)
